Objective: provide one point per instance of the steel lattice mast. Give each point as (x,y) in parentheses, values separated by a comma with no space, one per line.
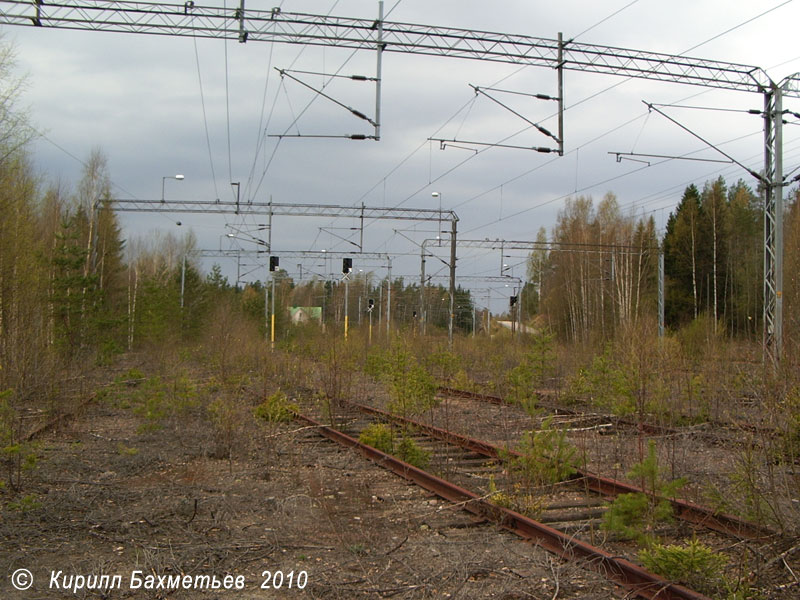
(245,24)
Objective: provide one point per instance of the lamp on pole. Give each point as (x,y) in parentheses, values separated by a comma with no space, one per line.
(179,177)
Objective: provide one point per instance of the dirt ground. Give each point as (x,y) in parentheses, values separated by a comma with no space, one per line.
(126,486)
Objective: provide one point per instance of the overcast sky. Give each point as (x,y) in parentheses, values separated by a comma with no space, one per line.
(139,99)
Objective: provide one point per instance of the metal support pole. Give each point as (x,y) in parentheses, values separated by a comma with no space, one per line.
(452,279)
(242,31)
(272,318)
(359,310)
(378,73)
(474,314)
(183,279)
(773,224)
(778,193)
(519,310)
(661,293)
(488,310)
(560,71)
(269,226)
(238,267)
(389,301)
(380,304)
(266,311)
(346,297)
(361,237)
(422,290)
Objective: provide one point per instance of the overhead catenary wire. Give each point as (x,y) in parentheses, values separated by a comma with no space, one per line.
(492,85)
(604,90)
(228,108)
(269,161)
(205,117)
(261,124)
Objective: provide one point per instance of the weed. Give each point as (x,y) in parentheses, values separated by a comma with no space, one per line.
(693,564)
(518,501)
(152,407)
(412,390)
(124,450)
(636,515)
(537,364)
(546,457)
(26,503)
(183,395)
(409,451)
(226,416)
(275,409)
(381,437)
(444,365)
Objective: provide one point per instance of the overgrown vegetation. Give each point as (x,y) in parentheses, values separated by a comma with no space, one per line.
(697,566)
(382,437)
(544,457)
(638,515)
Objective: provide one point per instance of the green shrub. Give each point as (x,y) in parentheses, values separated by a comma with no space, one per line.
(381,437)
(694,565)
(635,515)
(537,364)
(444,364)
(546,457)
(24,504)
(409,451)
(275,409)
(411,388)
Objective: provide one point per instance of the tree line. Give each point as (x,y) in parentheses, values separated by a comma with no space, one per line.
(598,270)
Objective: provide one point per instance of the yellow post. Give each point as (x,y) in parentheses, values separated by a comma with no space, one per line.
(345,327)
(272,331)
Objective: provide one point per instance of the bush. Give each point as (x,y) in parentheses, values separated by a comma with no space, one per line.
(546,456)
(275,409)
(381,437)
(411,388)
(694,564)
(636,515)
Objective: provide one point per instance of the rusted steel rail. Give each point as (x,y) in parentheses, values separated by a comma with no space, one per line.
(684,510)
(650,428)
(633,577)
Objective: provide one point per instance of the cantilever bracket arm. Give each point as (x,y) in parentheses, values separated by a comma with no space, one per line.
(540,128)
(357,113)
(755,174)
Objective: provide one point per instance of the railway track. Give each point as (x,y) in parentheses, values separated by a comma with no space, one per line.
(621,422)
(627,574)
(602,486)
(565,518)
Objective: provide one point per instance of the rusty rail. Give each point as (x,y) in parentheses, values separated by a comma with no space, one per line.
(684,510)
(633,577)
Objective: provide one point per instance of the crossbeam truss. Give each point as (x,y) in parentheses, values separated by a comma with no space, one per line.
(246,24)
(283,209)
